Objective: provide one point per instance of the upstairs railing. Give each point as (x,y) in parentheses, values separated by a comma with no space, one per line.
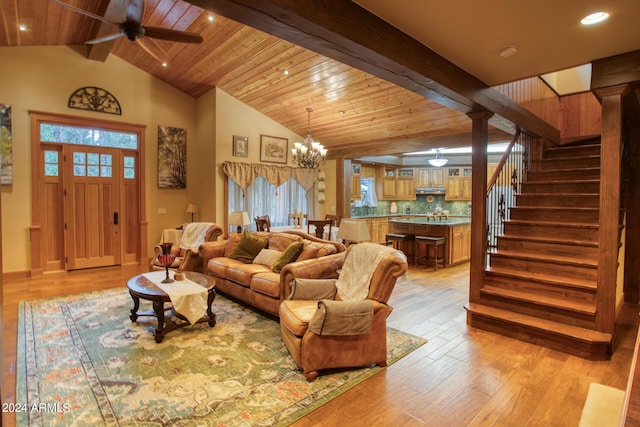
(504,184)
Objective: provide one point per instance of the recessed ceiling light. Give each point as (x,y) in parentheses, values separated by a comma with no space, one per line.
(211,18)
(22,27)
(594,18)
(286,72)
(165,64)
(508,51)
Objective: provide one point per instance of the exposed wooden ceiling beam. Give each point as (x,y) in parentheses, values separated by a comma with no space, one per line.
(342,30)
(386,149)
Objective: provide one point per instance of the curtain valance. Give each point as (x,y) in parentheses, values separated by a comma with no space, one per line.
(244,174)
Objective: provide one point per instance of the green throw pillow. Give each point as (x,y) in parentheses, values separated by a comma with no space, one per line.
(289,255)
(248,248)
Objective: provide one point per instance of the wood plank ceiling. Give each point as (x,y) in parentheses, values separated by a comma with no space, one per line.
(354,113)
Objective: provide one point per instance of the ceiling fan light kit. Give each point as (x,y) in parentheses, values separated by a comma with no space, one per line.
(133,29)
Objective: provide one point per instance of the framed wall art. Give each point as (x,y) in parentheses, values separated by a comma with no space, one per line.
(240,146)
(172,157)
(6,146)
(273,149)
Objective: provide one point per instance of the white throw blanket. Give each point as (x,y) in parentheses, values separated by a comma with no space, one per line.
(188,298)
(193,235)
(358,267)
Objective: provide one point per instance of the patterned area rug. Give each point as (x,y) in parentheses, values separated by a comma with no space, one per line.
(81,361)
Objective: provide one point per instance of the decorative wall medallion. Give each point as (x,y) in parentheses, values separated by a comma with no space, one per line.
(94,99)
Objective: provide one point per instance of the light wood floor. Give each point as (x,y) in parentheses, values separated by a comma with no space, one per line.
(462,376)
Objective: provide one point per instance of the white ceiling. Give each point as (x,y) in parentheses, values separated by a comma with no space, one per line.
(547,33)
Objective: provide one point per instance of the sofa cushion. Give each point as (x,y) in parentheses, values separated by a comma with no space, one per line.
(295,315)
(308,252)
(243,273)
(248,248)
(267,283)
(324,249)
(281,241)
(218,266)
(268,257)
(289,255)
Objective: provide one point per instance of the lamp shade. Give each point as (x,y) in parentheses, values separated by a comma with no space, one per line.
(239,218)
(353,230)
(192,208)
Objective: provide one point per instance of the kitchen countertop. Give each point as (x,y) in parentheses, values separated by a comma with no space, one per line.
(421,219)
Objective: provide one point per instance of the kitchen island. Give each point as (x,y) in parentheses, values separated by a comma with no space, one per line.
(457,231)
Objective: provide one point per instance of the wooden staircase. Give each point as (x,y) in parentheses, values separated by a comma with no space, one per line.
(541,282)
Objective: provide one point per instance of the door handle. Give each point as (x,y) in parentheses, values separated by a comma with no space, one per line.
(115,218)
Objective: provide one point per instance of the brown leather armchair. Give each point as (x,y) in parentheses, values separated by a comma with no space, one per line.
(324,328)
(186,251)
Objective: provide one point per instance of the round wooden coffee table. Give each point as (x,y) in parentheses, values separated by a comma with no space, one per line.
(142,288)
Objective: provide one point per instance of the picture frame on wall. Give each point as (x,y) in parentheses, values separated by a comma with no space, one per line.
(273,149)
(172,157)
(240,146)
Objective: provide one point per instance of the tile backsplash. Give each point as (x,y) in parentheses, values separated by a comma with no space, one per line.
(419,206)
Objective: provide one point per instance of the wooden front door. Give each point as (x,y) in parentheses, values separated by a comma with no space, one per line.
(92,215)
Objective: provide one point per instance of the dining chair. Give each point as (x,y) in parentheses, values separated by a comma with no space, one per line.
(320,227)
(263,223)
(335,218)
(291,218)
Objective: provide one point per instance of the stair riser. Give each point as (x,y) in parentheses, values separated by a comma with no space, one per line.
(591,351)
(561,188)
(543,312)
(542,267)
(557,249)
(562,201)
(566,175)
(557,215)
(543,231)
(566,163)
(528,285)
(570,152)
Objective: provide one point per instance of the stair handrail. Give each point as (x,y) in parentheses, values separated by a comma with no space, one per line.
(503,160)
(499,202)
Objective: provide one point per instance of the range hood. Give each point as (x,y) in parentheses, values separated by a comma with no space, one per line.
(430,190)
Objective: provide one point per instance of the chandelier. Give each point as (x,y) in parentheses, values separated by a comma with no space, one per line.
(309,153)
(438,160)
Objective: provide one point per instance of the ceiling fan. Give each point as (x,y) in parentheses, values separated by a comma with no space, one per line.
(133,29)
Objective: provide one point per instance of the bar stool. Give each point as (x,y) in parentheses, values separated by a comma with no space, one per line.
(399,241)
(429,242)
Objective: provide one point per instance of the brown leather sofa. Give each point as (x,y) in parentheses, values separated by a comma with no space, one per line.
(259,286)
(321,331)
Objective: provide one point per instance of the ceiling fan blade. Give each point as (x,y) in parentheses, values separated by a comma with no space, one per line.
(172,35)
(106,38)
(135,12)
(84,12)
(153,49)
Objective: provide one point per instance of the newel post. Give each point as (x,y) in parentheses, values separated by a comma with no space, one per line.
(610,173)
(480,138)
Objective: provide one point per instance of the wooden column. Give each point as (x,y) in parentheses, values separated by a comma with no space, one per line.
(610,169)
(479,139)
(343,187)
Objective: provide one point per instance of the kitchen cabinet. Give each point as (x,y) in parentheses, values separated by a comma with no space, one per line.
(396,183)
(430,177)
(356,192)
(460,248)
(458,184)
(378,228)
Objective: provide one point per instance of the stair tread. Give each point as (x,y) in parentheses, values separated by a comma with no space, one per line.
(538,256)
(564,181)
(540,299)
(541,277)
(555,208)
(550,240)
(561,329)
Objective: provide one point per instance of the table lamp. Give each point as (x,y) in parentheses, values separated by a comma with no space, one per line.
(192,209)
(353,231)
(239,218)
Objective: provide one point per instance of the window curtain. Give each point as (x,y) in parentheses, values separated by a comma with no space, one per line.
(276,191)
